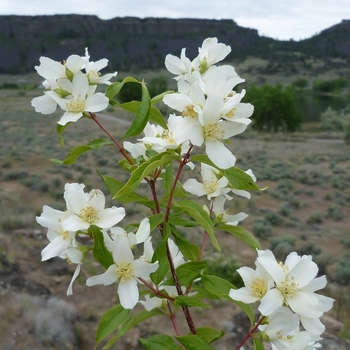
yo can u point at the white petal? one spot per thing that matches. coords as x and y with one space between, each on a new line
107 278
143 231
143 268
194 187
44 104
70 117
110 217
305 304
75 197
243 294
75 223
122 252
55 248
219 154
128 294
96 103
271 301
74 277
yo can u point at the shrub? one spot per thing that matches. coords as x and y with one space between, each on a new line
315 218
309 249
334 212
225 267
342 273
332 120
262 228
282 246
274 108
273 218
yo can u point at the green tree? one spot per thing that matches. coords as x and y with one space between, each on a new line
274 108
300 84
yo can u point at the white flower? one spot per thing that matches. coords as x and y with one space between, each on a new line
140 236
125 272
256 284
179 66
87 209
73 256
221 214
212 52
93 71
44 104
80 100
283 332
60 238
212 185
291 280
50 69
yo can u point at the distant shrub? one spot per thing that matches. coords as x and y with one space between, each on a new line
15 175
315 218
262 228
225 267
334 211
285 209
282 246
273 218
334 85
309 249
332 120
342 273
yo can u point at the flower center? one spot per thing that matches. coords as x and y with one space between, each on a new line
168 136
64 234
189 112
124 271
259 287
93 74
211 185
231 113
289 288
213 132
76 105
89 214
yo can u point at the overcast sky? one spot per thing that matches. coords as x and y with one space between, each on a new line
279 19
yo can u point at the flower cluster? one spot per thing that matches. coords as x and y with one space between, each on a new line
211 111
83 211
217 189
72 86
286 292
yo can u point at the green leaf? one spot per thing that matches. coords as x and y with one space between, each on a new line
220 287
100 252
168 178
258 345
189 250
142 115
160 342
243 234
160 255
155 220
238 179
131 322
209 334
144 169
110 321
154 115
200 215
113 186
188 272
194 342
177 220
114 88
159 98
190 302
76 152
60 129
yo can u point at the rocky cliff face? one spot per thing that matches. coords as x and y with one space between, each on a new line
133 43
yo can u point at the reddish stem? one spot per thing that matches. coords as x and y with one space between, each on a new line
250 332
119 146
